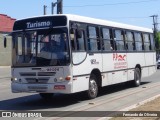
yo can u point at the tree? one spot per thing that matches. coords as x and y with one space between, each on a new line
157 41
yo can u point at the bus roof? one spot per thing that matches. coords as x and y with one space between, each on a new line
106 23
90 20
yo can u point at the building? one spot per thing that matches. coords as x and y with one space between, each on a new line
6 26
6 23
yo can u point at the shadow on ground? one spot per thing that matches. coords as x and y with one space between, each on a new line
34 102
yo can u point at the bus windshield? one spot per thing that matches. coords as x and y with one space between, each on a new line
46 47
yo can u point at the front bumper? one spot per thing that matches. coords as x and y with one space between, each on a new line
41 88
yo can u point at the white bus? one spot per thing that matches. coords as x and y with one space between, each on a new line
69 53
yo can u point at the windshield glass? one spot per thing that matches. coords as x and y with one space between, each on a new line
41 48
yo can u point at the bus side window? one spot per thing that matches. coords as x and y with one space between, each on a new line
106 39
77 40
119 39
92 39
130 41
138 41
112 40
152 44
146 42
72 37
80 40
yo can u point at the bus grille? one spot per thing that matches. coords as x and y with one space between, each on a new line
39 80
28 73
38 74
46 73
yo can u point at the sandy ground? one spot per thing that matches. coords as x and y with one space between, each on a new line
153 105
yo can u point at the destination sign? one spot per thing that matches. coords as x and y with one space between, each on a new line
40 22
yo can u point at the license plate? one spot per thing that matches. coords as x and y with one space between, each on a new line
59 87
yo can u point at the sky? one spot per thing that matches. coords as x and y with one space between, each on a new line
134 12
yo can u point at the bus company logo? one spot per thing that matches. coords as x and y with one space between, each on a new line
94 61
38 24
120 61
119 57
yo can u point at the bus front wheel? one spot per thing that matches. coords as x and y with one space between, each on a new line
93 87
46 96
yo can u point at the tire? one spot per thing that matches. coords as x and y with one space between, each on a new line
137 77
93 87
46 96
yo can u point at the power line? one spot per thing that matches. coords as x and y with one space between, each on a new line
123 3
128 17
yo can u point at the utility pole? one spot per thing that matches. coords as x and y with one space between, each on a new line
44 9
52 7
155 24
59 4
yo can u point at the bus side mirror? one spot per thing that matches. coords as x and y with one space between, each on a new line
5 42
79 33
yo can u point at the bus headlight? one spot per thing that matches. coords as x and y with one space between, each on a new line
13 79
60 79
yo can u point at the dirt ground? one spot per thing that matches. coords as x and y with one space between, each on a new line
153 105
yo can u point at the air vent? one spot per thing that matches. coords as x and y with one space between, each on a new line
46 73
28 74
39 80
36 68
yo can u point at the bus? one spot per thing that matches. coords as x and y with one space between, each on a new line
69 53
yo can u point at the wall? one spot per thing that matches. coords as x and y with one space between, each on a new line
6 27
5 53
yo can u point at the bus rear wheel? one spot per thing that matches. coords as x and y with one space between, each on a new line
137 77
93 87
46 96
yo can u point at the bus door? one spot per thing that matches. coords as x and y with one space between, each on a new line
79 56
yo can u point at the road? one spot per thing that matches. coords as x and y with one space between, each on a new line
111 98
